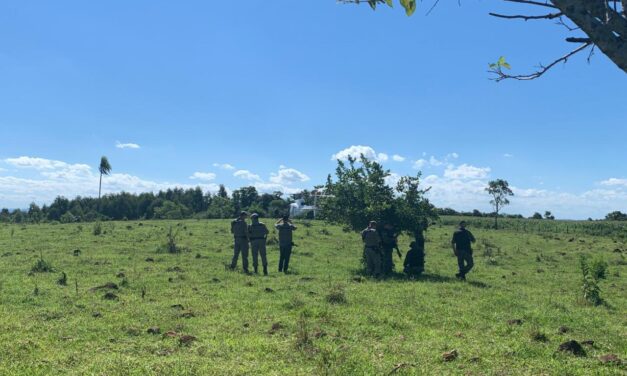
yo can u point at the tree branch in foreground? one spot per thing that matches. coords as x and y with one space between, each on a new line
497 68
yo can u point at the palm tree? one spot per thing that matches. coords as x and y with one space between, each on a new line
105 169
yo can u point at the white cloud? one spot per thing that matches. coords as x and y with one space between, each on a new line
398 158
452 156
128 145
224 166
508 155
419 164
356 151
56 178
433 161
38 163
393 179
287 176
206 176
466 172
614 182
246 175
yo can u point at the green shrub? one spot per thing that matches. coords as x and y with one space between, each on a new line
97 230
42 266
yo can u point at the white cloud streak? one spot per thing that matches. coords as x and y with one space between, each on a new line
205 176
128 145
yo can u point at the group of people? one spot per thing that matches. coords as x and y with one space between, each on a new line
256 234
379 247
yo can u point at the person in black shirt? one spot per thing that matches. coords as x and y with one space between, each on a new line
462 246
415 259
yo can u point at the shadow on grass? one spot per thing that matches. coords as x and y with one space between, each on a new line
427 278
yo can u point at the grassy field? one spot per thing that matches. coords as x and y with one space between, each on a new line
323 318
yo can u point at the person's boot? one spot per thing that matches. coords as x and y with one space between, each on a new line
265 270
246 271
256 272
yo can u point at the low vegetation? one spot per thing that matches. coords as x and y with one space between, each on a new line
120 306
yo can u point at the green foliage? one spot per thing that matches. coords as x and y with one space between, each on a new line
409 5
598 268
42 266
360 194
416 321
616 216
171 243
171 210
62 281
499 190
591 289
97 229
500 64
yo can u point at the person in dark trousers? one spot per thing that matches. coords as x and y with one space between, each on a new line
239 229
286 242
415 259
462 247
258 234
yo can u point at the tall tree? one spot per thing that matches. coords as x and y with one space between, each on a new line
599 24
499 190
105 169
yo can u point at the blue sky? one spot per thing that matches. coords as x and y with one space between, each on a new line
276 88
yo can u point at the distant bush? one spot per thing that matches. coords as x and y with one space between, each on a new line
97 230
598 268
591 289
42 266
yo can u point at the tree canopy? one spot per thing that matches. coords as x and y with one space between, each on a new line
596 24
361 193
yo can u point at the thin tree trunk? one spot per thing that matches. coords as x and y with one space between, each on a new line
100 187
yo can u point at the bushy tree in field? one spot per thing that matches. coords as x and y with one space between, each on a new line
549 216
360 194
499 190
244 198
536 215
220 208
171 210
34 213
616 216
278 208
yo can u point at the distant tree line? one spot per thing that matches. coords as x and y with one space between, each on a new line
176 203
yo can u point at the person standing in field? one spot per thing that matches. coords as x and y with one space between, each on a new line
239 229
462 247
286 242
258 234
372 249
388 244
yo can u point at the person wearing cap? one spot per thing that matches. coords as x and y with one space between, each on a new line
462 247
286 242
372 249
239 229
258 234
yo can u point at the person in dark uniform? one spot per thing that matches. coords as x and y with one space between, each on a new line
372 249
239 229
388 244
462 247
286 242
415 259
258 234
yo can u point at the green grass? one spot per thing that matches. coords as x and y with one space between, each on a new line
321 319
